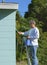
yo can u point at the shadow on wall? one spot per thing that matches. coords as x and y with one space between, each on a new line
3 11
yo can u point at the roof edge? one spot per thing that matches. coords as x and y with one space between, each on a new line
8 5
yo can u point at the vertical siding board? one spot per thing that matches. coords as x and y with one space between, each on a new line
7 37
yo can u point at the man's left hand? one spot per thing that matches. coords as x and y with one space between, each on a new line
28 37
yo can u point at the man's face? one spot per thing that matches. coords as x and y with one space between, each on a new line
32 25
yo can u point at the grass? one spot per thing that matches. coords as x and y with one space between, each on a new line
21 63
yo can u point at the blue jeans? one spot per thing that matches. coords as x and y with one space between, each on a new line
31 53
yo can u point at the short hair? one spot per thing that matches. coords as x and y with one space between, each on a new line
32 22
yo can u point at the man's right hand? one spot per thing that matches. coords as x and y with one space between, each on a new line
20 33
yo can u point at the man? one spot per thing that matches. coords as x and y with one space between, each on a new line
32 35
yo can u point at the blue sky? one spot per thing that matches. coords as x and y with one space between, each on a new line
23 5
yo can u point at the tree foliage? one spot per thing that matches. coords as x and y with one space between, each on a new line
37 10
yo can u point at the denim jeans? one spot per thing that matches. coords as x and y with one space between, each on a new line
31 53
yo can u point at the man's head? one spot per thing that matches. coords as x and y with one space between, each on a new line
32 23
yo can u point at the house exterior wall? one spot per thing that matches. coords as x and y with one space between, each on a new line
7 37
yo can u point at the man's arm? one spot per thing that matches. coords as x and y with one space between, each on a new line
24 33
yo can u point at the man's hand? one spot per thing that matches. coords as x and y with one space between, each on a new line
20 33
28 37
